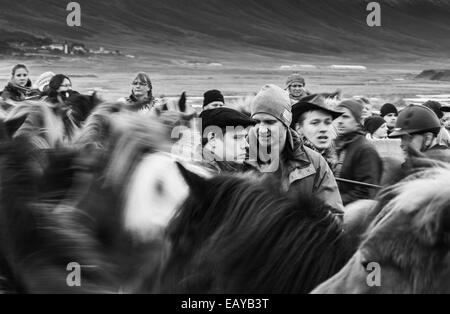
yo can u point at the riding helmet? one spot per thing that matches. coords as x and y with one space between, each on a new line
415 119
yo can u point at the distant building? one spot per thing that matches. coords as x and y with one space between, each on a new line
59 47
78 49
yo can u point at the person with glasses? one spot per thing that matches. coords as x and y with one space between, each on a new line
141 97
295 85
19 88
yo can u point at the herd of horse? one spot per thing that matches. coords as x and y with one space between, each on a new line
104 190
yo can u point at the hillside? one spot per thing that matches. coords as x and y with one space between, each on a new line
168 29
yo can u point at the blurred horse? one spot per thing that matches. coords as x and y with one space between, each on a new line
409 239
237 234
104 206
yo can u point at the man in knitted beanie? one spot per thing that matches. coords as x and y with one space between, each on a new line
295 85
389 113
358 159
277 149
213 99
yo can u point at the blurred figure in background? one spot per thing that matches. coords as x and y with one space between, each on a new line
59 90
43 81
446 117
295 85
313 120
443 138
367 108
141 97
376 128
19 88
213 99
358 159
389 113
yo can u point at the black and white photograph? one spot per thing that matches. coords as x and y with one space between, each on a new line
224 152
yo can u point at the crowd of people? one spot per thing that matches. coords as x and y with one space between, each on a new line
300 137
275 196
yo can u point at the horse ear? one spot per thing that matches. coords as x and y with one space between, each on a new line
182 102
95 99
196 183
12 125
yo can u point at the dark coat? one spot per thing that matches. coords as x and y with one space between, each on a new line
16 93
360 162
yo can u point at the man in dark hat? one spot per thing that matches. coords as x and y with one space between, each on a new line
389 113
213 99
358 160
224 138
313 120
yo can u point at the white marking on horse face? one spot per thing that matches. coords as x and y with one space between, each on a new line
156 190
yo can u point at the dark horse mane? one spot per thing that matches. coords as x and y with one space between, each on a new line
39 234
238 234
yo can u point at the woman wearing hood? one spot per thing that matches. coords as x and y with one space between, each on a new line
19 88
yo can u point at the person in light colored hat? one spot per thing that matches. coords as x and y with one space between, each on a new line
43 81
358 160
295 85
277 149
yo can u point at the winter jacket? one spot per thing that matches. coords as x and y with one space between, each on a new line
18 93
305 171
358 160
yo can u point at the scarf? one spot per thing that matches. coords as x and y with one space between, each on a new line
22 92
329 154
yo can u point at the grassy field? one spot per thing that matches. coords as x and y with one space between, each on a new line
112 76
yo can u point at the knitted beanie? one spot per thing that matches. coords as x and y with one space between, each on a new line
354 106
372 124
387 109
294 78
211 96
275 101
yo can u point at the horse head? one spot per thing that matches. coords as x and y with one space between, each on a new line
406 247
